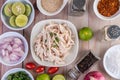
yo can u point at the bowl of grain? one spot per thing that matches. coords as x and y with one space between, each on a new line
106 9
51 7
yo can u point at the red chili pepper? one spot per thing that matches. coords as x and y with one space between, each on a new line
53 70
30 65
40 69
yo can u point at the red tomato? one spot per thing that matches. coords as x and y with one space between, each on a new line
40 69
53 70
30 65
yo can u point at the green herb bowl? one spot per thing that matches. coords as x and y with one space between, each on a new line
14 70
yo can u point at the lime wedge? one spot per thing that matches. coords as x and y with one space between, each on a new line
18 8
21 20
58 77
8 9
12 21
27 10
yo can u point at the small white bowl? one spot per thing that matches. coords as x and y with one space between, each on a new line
110 69
11 71
6 21
73 52
15 34
101 16
48 13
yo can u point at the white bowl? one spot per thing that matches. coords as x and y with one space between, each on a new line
15 34
14 71
6 21
48 13
73 52
101 16
110 69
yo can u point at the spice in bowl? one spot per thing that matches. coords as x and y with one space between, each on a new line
51 5
108 7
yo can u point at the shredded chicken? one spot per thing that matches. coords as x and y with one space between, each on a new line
53 43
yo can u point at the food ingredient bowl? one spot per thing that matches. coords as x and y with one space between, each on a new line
42 10
111 61
72 52
6 20
13 57
14 70
101 16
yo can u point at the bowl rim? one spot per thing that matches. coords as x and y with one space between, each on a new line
43 22
104 61
43 11
24 41
16 70
29 22
114 16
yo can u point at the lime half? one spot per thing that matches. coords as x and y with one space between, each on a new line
12 21
18 8
27 10
58 77
21 20
8 9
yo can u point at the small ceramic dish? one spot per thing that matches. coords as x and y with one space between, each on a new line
5 19
117 14
110 64
42 10
14 70
25 45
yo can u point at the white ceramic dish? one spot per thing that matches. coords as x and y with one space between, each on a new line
14 71
15 34
73 52
117 14
47 13
6 21
111 70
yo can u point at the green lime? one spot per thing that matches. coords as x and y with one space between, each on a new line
21 20
58 77
8 9
27 10
85 33
18 8
12 21
43 77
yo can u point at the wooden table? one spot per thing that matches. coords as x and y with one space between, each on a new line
88 19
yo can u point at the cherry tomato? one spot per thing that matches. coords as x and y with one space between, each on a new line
40 69
53 70
30 65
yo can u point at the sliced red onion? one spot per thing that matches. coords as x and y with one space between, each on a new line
17 41
14 57
6 59
12 49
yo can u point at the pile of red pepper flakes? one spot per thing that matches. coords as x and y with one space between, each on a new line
108 7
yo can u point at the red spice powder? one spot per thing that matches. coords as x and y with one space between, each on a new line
108 7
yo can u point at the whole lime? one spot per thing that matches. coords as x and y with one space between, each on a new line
43 77
85 33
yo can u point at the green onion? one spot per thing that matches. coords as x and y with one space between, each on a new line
51 34
45 40
55 46
57 39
